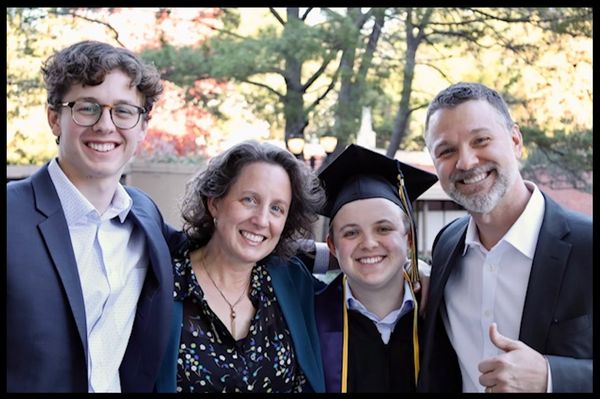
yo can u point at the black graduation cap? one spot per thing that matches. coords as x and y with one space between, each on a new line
359 173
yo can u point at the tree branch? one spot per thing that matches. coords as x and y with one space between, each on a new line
438 70
319 71
505 19
360 21
367 57
308 10
97 21
277 16
264 86
461 34
334 79
411 110
563 168
216 29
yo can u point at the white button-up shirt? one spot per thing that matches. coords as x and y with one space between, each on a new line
112 262
487 286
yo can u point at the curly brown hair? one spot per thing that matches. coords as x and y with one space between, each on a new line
221 174
88 62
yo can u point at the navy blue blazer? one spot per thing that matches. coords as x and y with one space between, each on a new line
45 316
557 316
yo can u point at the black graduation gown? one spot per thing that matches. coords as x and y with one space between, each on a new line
373 365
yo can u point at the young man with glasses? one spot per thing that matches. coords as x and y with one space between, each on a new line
89 280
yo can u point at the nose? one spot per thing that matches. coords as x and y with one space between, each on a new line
105 123
261 216
467 159
369 241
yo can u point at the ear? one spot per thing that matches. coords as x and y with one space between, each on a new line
143 129
53 120
331 245
213 207
517 141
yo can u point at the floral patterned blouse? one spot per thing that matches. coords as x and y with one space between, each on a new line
211 360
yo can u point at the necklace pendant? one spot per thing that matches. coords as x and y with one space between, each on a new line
233 324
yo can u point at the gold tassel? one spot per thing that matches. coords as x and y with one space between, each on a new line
414 269
344 339
412 276
415 330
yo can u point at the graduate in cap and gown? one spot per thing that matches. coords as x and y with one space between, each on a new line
367 317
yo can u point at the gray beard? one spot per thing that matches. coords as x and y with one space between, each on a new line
485 202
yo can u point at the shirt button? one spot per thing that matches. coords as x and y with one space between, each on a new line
492 268
487 314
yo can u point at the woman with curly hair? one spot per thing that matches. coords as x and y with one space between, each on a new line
244 306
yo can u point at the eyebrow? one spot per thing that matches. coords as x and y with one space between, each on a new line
347 225
95 100
479 130
356 225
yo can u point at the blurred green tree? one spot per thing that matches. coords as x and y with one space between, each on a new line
310 71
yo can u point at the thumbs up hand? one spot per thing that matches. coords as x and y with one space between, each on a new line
518 369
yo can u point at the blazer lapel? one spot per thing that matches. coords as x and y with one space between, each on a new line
55 233
286 293
549 264
149 226
144 332
447 250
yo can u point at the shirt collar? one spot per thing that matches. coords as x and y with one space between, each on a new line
523 234
354 304
471 238
120 205
76 206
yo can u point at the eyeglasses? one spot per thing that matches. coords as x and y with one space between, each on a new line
86 113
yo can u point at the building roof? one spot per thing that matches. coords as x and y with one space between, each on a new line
571 198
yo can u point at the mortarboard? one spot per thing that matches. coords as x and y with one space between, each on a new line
359 173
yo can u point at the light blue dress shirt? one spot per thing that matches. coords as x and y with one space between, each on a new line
112 262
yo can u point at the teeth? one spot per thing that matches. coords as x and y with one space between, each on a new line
104 147
475 179
253 237
371 260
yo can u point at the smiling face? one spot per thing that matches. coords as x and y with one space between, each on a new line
252 215
101 151
370 242
475 154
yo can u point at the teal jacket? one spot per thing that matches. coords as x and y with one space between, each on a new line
294 288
